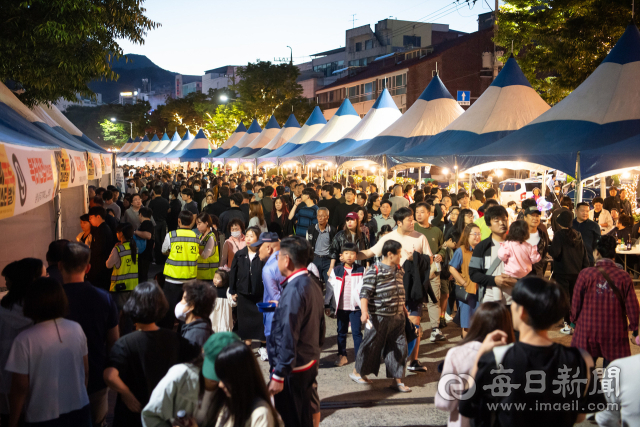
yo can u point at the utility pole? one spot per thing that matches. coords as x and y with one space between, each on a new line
291 54
495 31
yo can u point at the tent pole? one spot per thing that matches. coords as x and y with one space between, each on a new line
384 172
603 186
544 183
419 177
455 166
578 193
57 208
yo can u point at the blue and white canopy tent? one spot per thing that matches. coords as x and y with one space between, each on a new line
128 146
434 110
173 143
603 110
252 133
270 130
235 137
343 121
162 144
135 143
186 140
140 149
506 106
197 149
382 114
311 127
151 147
290 128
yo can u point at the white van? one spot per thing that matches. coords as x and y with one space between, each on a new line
517 190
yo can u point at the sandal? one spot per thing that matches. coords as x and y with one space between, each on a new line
400 388
359 380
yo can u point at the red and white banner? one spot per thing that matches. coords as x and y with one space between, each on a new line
94 166
72 168
28 179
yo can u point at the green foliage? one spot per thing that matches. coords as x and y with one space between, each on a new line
266 89
559 43
114 133
221 125
53 48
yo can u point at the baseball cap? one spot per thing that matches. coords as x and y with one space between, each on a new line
212 348
532 210
352 215
266 237
287 189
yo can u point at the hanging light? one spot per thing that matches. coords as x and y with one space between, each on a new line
445 171
499 172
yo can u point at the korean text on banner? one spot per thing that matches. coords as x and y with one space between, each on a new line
72 168
28 179
107 163
94 166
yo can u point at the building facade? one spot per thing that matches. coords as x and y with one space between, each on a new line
81 101
463 63
219 78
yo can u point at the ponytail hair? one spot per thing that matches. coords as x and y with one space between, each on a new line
127 231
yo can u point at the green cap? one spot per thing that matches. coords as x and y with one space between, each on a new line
212 348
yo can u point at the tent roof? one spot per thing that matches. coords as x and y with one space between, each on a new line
290 128
252 133
434 110
312 126
602 110
231 141
197 149
507 105
381 115
338 126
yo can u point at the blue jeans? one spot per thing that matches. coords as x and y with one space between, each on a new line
344 317
323 267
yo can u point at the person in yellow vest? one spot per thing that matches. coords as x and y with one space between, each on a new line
183 249
209 259
124 277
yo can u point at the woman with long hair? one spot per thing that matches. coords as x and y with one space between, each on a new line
368 227
351 233
256 217
489 317
246 400
450 221
459 269
280 217
465 217
18 275
209 259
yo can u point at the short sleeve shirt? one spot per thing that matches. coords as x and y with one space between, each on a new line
412 241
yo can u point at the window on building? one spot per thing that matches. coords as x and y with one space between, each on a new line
368 44
411 41
358 47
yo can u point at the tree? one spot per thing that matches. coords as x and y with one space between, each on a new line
223 123
53 48
559 43
114 133
266 89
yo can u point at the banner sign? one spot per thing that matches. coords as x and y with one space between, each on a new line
107 163
72 168
94 166
28 179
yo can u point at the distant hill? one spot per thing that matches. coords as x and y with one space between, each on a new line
131 74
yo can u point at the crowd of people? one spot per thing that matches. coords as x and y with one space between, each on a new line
162 295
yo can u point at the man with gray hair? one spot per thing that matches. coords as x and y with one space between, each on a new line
397 200
320 237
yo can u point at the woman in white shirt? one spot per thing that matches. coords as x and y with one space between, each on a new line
256 217
489 317
49 363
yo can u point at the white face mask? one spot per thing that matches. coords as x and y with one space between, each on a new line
197 188
236 234
181 311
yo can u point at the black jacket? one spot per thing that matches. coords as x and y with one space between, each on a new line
417 286
340 214
197 332
172 217
245 277
543 248
312 236
612 202
340 239
568 252
267 207
223 204
226 218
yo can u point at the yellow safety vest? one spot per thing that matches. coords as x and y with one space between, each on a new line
182 263
127 273
207 267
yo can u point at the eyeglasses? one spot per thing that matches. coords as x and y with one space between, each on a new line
475 234
278 255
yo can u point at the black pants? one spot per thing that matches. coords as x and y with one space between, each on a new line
160 234
173 292
293 403
143 270
77 418
567 282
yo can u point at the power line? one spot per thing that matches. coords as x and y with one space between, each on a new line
402 29
440 13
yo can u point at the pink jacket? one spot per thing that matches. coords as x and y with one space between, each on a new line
518 257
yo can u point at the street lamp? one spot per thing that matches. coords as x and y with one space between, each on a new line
225 98
113 119
291 54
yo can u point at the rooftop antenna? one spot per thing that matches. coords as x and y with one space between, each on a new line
353 20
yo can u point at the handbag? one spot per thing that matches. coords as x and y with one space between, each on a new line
461 293
141 244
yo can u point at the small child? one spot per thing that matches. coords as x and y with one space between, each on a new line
512 209
518 255
221 317
343 300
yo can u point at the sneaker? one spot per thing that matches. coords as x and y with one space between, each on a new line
436 335
342 360
443 323
416 366
567 330
262 352
448 318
